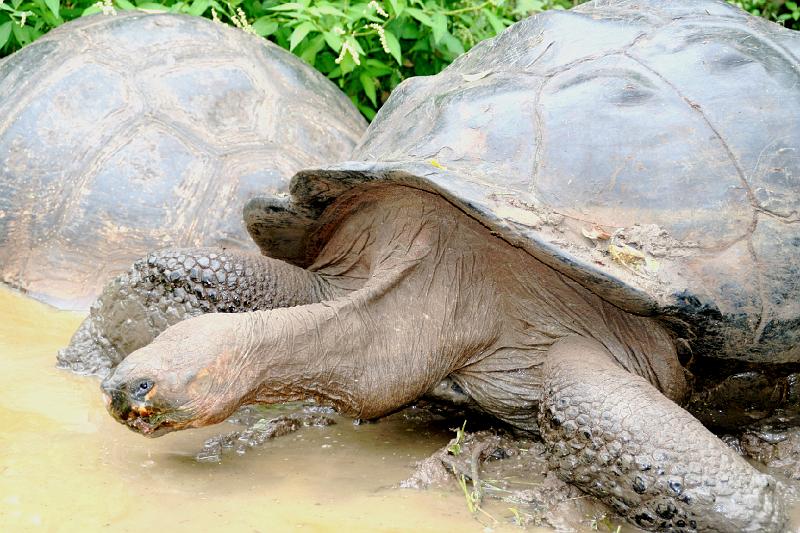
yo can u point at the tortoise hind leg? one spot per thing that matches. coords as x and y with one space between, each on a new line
615 436
168 286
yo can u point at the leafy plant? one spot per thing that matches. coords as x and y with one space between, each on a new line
784 11
366 46
454 447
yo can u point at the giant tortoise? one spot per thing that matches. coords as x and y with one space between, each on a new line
562 222
121 134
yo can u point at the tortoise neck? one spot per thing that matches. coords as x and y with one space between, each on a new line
425 292
416 303
306 355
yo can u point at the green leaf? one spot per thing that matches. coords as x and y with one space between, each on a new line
394 46
347 65
422 45
300 33
336 72
367 111
453 45
198 7
333 40
21 34
91 10
792 6
407 30
325 61
125 5
355 44
420 16
377 68
264 26
368 83
54 7
309 54
439 27
328 10
5 33
36 32
398 6
356 12
526 7
497 24
152 6
289 6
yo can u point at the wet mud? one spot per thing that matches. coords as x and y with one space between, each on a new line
65 465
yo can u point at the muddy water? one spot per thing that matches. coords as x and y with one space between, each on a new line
65 465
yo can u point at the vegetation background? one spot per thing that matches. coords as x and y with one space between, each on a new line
367 47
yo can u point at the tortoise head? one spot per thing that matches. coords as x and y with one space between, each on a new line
189 376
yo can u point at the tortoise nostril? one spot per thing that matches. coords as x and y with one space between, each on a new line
116 402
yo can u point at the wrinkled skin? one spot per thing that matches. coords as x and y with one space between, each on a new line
412 291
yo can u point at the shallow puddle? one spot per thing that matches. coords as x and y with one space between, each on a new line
65 465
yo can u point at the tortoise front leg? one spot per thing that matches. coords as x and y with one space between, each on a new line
615 436
168 286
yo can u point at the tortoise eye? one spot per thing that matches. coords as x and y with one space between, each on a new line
141 388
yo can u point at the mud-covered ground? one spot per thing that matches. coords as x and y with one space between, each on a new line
66 465
497 472
501 479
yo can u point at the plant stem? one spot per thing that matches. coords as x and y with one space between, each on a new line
466 9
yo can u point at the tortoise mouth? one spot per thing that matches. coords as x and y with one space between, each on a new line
141 417
147 423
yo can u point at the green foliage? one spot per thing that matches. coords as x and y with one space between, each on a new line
454 448
786 12
367 47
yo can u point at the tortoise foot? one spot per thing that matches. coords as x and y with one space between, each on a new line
615 436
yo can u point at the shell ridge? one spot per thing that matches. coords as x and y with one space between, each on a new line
184 135
698 109
791 60
71 196
764 306
539 127
30 79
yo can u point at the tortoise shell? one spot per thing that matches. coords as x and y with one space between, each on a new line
121 134
647 149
